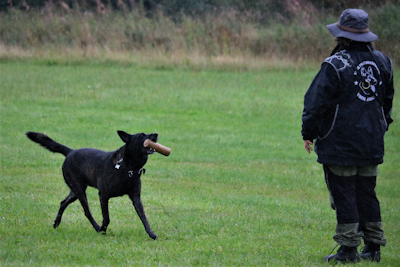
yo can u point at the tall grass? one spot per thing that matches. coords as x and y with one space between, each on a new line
228 33
237 189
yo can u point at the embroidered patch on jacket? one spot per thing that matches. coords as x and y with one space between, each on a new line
340 60
366 75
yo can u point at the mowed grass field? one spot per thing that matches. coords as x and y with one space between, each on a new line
237 190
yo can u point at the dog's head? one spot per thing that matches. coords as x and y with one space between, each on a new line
134 149
135 142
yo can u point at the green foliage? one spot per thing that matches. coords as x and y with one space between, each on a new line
237 189
340 5
174 8
384 21
299 33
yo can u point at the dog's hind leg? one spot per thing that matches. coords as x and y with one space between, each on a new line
64 204
137 203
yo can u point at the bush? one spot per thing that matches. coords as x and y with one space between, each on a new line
386 22
223 32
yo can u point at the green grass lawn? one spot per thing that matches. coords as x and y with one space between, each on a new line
237 189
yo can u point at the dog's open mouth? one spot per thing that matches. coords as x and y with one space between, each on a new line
153 137
151 145
150 151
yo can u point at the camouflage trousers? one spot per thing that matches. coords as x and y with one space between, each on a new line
352 195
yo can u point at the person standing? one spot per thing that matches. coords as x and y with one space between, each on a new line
347 110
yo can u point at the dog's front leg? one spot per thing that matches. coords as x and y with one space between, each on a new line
104 210
137 203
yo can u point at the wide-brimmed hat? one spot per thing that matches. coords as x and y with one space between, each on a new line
353 25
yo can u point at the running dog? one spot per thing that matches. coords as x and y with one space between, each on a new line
114 174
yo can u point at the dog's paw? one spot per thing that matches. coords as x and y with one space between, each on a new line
102 230
56 224
153 236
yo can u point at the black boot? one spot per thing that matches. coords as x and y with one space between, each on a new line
344 254
371 252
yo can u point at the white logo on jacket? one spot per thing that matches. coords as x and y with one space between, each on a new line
367 71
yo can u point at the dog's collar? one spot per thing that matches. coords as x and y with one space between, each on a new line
139 172
119 162
130 173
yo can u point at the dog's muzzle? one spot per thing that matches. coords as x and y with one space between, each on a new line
153 137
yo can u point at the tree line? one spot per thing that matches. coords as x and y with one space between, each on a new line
262 9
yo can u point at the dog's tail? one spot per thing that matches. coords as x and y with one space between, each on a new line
48 143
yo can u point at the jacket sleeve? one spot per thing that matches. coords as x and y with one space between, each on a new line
386 65
388 101
319 100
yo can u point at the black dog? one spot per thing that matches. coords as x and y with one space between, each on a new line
113 173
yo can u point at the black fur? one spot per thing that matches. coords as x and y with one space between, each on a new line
91 167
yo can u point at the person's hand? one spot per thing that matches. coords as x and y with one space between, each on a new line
307 145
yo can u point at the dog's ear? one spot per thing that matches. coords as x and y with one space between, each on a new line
124 136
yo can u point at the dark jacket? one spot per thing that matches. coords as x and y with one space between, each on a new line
348 105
